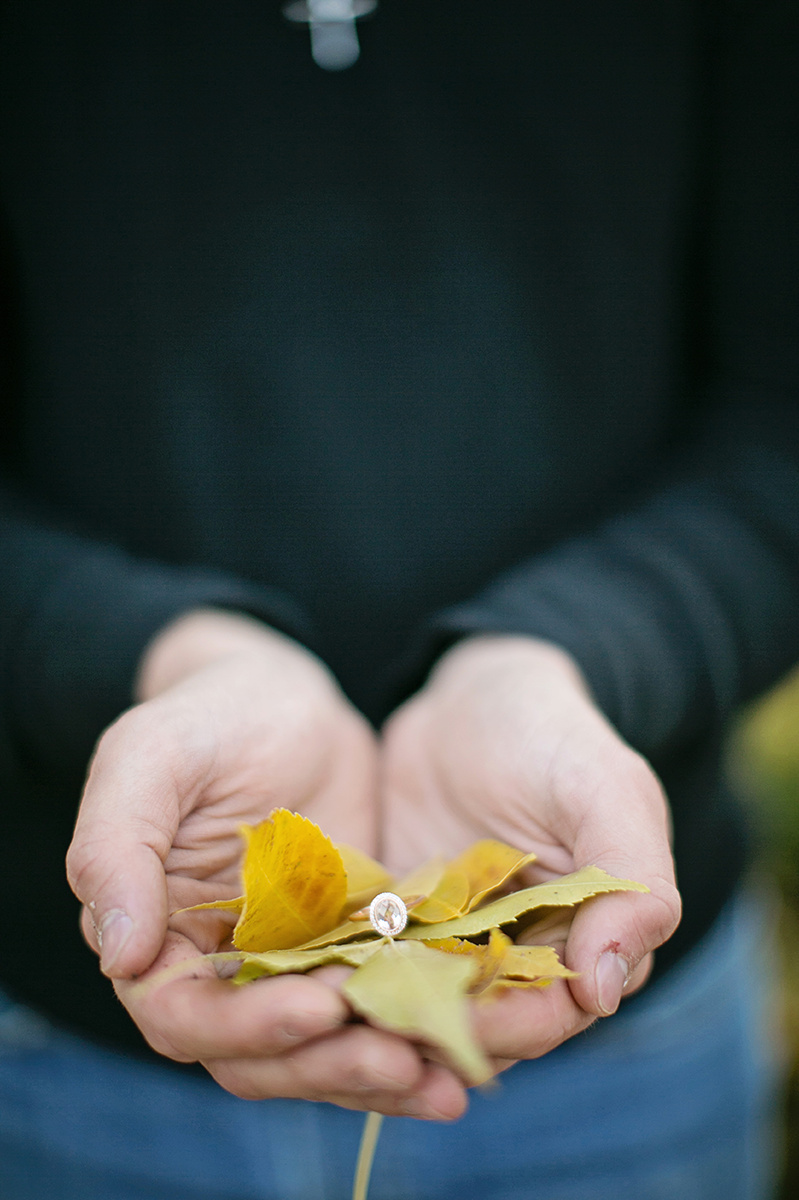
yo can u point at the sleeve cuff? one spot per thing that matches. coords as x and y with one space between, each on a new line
82 642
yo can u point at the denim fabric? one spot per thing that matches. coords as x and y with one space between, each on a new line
672 1099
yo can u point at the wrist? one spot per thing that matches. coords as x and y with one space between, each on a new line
194 641
514 651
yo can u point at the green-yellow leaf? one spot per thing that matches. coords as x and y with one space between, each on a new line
233 906
294 883
282 962
410 989
564 892
346 932
366 1153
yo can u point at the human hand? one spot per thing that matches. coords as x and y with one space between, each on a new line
505 741
234 720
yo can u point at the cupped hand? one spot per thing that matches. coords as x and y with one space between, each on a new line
505 741
234 719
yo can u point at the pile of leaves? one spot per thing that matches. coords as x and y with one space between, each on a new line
304 906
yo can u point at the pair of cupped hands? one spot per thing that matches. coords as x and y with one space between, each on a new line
235 719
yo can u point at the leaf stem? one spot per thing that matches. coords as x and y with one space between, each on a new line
366 1153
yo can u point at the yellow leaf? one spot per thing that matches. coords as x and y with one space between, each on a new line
564 892
448 899
500 961
434 892
233 906
487 958
294 883
410 989
422 880
529 963
488 864
438 891
365 878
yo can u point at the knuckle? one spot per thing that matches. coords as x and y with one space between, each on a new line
156 731
639 774
670 903
87 867
163 1025
653 922
555 1037
114 740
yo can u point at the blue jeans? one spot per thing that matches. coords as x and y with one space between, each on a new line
673 1099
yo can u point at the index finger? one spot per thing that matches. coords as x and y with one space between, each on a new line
528 1022
197 1015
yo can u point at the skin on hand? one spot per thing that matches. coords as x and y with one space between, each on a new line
505 741
234 719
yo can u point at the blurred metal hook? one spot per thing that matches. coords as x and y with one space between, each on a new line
334 37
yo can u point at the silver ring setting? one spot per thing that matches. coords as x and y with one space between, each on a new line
388 914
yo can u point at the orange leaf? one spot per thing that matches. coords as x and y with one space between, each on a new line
488 864
533 963
500 963
423 879
365 878
448 899
434 892
295 883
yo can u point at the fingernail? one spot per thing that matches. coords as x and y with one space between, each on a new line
113 932
611 976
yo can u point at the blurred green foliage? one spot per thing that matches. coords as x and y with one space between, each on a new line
764 767
764 770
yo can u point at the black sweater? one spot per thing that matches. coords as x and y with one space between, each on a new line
494 331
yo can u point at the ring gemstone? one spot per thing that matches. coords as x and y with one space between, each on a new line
388 914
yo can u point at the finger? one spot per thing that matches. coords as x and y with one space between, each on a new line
359 1068
127 819
440 1096
524 1023
357 1060
626 832
197 1016
639 976
89 930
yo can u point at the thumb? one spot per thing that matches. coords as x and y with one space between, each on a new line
115 863
626 833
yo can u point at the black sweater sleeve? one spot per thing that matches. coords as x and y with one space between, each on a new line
684 607
679 611
75 617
